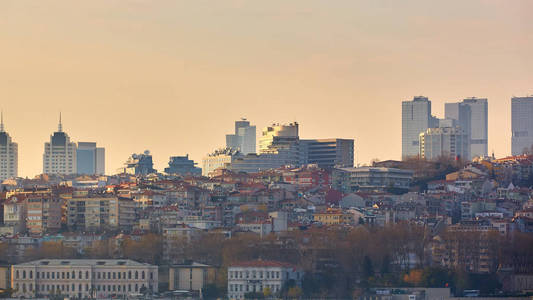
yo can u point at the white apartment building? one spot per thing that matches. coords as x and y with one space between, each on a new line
256 276
83 278
8 154
450 142
59 154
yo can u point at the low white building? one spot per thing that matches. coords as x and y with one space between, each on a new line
83 278
259 275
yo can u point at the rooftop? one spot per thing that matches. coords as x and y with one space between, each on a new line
83 262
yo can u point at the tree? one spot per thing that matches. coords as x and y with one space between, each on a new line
294 292
414 277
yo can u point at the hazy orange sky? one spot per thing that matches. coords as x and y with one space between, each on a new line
172 76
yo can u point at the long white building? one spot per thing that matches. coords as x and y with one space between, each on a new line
450 142
8 154
59 154
258 276
83 278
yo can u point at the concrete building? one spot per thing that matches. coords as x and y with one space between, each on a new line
190 277
280 136
259 276
451 142
244 138
220 158
8 154
90 160
253 163
83 278
182 165
328 153
139 164
349 180
416 118
43 213
472 117
98 212
59 154
522 124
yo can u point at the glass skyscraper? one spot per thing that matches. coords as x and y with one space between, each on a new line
522 124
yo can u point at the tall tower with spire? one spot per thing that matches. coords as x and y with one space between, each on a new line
59 154
8 153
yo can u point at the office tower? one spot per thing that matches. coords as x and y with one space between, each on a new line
522 124
59 154
416 118
8 154
90 160
100 161
244 137
328 153
139 164
182 165
439 142
278 136
472 117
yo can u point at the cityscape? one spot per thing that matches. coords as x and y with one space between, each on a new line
295 165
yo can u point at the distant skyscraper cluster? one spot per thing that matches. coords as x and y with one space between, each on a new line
463 133
279 145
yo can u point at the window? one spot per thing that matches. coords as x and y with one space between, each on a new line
143 275
151 275
86 274
129 276
80 275
24 277
17 275
136 277
73 275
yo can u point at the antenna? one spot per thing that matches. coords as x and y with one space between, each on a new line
60 126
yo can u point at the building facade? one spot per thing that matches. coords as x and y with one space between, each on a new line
190 277
350 180
328 153
479 126
90 160
522 124
83 278
43 213
8 154
260 276
244 138
59 154
139 164
416 118
449 142
182 165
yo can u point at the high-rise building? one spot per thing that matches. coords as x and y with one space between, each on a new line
472 117
182 165
90 160
522 124
444 142
278 136
139 164
416 118
8 154
244 137
59 154
328 153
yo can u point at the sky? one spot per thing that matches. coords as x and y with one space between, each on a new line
173 76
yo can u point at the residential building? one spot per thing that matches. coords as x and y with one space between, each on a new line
522 124
334 216
93 212
182 165
90 160
416 118
83 278
15 213
190 276
244 138
43 213
139 164
349 180
8 154
59 154
328 153
260 276
450 142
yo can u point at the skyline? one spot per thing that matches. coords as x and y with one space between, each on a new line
138 75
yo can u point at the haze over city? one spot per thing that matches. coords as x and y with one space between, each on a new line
172 76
